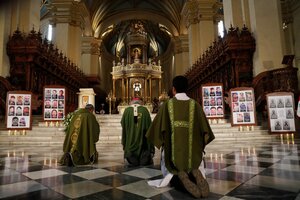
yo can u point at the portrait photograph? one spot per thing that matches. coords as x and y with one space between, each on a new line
20 100
26 111
11 111
249 96
26 100
47 114
12 100
19 111
242 96
213 111
220 111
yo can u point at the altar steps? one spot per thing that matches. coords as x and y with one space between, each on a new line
227 137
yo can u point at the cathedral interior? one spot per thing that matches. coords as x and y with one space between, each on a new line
133 49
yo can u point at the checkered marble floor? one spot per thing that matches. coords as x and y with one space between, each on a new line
268 171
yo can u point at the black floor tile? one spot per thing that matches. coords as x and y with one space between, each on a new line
117 180
113 194
60 180
255 192
46 194
230 176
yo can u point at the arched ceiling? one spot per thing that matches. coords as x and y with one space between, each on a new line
111 20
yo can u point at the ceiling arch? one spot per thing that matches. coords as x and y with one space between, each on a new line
131 15
162 20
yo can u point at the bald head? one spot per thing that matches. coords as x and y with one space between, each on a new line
89 107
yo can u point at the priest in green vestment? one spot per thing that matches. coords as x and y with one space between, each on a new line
182 130
135 123
81 136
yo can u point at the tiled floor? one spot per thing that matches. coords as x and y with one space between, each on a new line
268 171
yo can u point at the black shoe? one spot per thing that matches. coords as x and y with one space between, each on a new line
68 160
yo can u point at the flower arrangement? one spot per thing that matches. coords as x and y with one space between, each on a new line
67 120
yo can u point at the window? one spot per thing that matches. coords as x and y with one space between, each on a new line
221 28
49 36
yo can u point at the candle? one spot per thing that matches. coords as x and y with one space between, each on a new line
46 124
23 132
8 132
15 132
57 124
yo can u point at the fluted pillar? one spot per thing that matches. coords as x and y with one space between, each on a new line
14 14
90 53
181 57
268 32
67 18
199 19
236 13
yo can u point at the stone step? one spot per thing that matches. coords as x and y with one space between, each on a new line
111 132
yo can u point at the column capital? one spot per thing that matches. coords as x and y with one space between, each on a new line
181 44
195 11
65 11
90 45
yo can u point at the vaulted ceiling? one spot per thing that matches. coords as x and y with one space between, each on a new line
111 20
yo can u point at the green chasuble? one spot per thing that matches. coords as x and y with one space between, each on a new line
81 137
133 133
182 129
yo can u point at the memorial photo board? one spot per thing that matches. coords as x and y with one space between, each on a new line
18 110
54 103
242 103
281 112
212 100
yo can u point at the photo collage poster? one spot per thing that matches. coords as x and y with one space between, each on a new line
212 101
281 112
242 106
54 103
18 110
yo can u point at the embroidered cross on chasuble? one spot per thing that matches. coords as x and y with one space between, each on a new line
185 125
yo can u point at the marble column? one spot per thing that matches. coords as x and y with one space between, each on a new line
199 19
236 13
268 32
67 18
14 14
90 52
181 57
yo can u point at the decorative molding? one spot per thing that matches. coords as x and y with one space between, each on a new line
181 44
90 45
195 11
67 11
